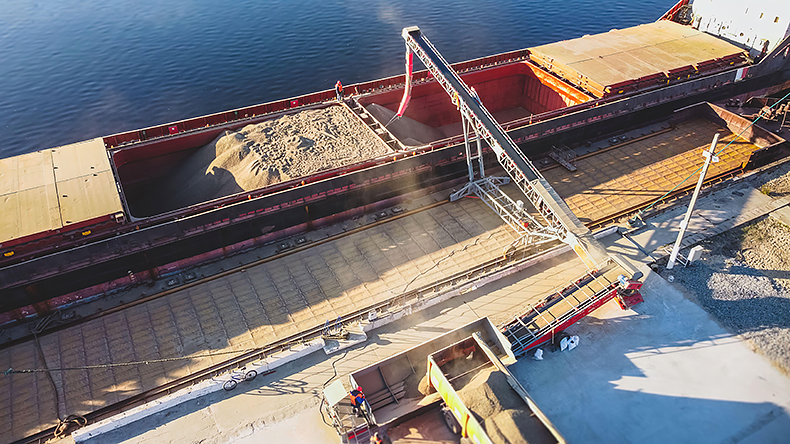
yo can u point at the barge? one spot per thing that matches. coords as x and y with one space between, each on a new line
71 219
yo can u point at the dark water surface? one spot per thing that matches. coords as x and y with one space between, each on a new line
71 70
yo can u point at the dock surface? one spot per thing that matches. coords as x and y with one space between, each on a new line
243 310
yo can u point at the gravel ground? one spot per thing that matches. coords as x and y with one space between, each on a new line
743 280
775 183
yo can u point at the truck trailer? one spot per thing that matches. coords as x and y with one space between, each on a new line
456 388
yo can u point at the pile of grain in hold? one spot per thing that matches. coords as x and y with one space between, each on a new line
501 411
289 147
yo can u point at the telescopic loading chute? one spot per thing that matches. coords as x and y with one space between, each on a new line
404 102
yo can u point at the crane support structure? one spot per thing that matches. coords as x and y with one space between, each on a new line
562 223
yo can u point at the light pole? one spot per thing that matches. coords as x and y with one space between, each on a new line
709 157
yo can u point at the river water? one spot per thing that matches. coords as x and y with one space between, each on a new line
71 70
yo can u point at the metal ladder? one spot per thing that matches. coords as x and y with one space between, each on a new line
356 430
373 124
680 258
361 436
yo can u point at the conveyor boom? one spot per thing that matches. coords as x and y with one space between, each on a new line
521 171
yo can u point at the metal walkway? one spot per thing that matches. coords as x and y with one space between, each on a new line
579 297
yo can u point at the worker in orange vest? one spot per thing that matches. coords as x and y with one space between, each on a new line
358 401
339 91
380 438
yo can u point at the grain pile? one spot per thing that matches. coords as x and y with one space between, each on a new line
289 147
504 415
417 385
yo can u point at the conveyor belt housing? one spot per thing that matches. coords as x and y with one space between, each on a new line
535 187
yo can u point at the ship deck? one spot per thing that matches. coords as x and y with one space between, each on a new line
653 164
47 190
595 62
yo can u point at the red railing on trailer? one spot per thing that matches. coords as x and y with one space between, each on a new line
544 320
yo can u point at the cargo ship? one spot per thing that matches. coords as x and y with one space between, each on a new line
77 220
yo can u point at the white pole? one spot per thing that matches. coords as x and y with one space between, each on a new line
709 157
467 123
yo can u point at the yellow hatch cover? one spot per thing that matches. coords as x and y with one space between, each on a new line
597 61
53 188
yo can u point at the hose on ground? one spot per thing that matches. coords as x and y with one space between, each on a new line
62 428
323 399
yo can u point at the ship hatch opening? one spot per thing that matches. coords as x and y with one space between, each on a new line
512 93
209 167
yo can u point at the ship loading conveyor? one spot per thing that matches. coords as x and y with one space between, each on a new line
262 287
544 321
562 223
537 105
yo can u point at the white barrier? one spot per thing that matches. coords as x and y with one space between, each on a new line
187 394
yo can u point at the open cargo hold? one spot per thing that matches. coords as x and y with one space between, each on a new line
512 92
288 147
652 160
636 58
